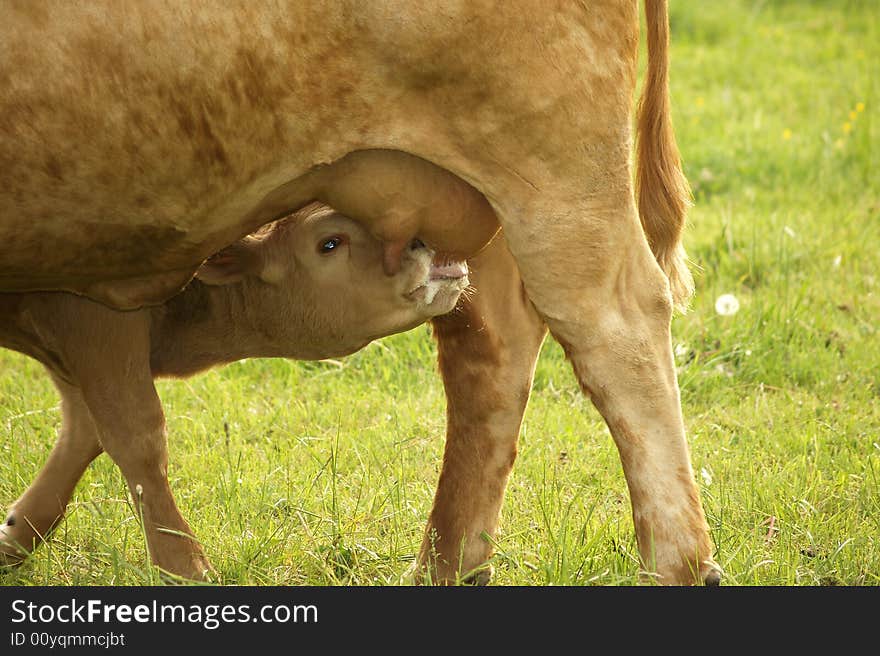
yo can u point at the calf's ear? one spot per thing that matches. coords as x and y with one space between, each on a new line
233 263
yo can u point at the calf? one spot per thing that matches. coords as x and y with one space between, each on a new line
308 286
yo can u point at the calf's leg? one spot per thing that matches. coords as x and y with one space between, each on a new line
487 349
34 515
131 425
107 354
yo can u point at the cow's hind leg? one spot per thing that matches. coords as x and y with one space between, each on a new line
590 273
41 507
487 349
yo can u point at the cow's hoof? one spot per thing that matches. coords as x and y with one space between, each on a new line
712 575
480 576
412 575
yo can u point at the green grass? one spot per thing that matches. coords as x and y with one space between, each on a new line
322 473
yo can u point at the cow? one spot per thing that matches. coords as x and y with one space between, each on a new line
309 286
137 139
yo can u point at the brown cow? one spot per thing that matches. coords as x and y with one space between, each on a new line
138 138
309 286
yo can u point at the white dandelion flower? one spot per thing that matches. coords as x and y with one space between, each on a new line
727 305
707 477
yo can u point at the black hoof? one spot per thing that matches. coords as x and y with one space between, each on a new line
713 579
479 577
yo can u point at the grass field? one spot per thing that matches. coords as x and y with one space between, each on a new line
323 473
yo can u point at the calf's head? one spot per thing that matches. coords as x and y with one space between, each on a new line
312 285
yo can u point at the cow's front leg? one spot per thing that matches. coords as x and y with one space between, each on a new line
487 349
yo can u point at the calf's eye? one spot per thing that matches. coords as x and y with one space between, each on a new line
329 245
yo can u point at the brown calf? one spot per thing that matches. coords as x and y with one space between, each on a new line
309 286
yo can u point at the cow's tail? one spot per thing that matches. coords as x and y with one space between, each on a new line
663 192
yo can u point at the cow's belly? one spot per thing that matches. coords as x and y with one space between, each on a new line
137 140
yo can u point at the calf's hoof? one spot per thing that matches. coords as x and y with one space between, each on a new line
423 574
203 573
196 569
12 552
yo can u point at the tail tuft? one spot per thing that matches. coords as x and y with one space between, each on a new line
664 194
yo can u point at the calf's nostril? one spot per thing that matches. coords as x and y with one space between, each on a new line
417 243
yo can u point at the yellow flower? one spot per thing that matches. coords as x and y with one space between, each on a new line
786 134
700 101
860 107
847 128
852 116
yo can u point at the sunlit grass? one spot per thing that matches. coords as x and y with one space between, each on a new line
323 473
